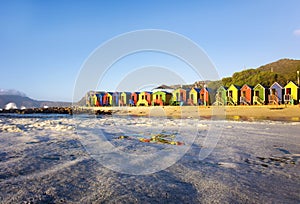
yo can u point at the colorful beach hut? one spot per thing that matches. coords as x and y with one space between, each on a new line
145 99
246 95
116 98
124 98
107 99
276 93
204 98
89 99
161 98
260 95
194 96
233 95
180 96
291 93
134 98
99 100
221 96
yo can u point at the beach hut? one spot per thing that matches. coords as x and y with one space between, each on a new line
233 95
99 99
92 99
246 95
204 98
260 94
134 98
221 96
145 99
88 99
161 98
276 93
116 99
194 96
107 99
291 93
180 96
124 98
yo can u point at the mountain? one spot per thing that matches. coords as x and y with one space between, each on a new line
282 71
24 101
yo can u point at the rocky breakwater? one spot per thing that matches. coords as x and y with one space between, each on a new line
50 110
58 110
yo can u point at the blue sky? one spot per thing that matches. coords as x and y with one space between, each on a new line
43 44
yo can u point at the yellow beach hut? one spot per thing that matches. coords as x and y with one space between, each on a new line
194 96
233 95
291 93
145 99
124 98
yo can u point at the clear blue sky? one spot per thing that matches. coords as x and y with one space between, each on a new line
43 44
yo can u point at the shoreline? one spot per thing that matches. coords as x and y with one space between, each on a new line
242 113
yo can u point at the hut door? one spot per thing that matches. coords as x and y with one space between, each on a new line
273 92
177 96
192 97
288 91
230 93
181 96
244 93
256 93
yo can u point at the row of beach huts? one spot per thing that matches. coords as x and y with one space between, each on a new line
232 95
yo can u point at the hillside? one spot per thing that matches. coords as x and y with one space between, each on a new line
282 71
27 102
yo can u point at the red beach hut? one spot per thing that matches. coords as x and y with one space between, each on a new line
246 95
134 98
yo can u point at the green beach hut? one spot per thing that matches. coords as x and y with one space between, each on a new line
291 93
180 96
221 96
260 95
161 98
233 95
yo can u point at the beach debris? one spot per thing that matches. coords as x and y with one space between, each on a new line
160 138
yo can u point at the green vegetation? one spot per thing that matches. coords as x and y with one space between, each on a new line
282 71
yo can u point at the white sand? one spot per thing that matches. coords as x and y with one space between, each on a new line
43 160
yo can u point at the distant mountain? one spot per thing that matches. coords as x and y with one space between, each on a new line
281 71
24 101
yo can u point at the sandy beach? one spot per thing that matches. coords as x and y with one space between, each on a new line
51 159
269 112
